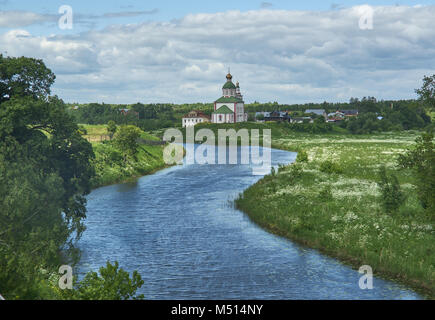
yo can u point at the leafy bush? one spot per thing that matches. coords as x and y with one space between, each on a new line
126 140
392 195
302 156
111 128
82 130
296 171
421 159
112 283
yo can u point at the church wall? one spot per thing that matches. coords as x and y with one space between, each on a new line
240 112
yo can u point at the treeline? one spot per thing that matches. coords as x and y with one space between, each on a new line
145 116
374 116
366 104
403 115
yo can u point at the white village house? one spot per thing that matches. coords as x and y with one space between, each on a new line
194 117
230 108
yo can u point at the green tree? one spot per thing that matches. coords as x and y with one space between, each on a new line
24 77
45 171
421 159
392 195
111 128
427 91
126 140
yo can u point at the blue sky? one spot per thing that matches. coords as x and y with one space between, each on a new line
179 51
166 10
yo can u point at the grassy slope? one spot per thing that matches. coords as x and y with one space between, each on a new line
110 168
351 225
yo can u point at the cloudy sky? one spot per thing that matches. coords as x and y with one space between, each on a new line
180 51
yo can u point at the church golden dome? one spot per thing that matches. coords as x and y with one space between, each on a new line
229 76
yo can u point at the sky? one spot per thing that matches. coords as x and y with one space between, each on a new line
180 51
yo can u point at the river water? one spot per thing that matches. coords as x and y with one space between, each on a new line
179 229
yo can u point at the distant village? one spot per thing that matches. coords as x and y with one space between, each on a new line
230 108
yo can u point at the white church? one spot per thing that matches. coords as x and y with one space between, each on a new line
230 108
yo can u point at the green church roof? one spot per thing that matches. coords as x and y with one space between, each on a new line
229 85
228 100
223 110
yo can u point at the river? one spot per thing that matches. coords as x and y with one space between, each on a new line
179 229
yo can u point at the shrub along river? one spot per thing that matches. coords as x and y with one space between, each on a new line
179 229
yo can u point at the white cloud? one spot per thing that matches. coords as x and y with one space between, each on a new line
288 56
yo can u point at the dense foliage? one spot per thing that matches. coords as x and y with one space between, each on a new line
111 283
401 117
46 170
392 194
145 116
20 77
427 91
421 159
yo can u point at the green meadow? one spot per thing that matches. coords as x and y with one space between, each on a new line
332 202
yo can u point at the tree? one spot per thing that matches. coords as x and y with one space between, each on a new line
111 128
392 195
24 77
427 91
112 283
421 159
126 140
45 172
140 109
260 117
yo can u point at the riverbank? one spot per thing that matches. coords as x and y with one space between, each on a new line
336 209
112 167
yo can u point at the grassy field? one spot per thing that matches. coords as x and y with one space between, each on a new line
337 210
109 162
98 133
